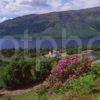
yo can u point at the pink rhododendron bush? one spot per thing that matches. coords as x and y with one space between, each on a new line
69 68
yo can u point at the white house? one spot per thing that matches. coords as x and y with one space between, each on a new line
54 54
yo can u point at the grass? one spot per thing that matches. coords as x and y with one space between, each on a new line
28 96
2 71
33 96
95 95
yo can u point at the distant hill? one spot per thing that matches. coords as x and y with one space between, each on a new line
83 23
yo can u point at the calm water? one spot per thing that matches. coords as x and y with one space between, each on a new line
49 43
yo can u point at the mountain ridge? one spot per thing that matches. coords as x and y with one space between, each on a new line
84 23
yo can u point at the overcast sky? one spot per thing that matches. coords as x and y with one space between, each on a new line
13 8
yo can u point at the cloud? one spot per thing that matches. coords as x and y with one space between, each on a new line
13 8
80 4
3 19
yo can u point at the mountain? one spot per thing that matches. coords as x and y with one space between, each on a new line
84 23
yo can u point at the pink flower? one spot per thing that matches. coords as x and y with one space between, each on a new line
66 82
50 93
72 77
62 71
52 77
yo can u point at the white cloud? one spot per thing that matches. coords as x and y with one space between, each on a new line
22 7
80 4
3 19
55 4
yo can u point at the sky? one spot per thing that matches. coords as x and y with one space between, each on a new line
13 8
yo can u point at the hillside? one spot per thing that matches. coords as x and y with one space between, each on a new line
83 23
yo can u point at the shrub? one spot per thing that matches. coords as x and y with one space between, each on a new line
74 50
69 68
71 51
43 68
17 74
96 69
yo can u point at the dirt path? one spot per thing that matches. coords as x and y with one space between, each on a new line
5 92
98 61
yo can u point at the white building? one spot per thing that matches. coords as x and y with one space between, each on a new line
54 54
